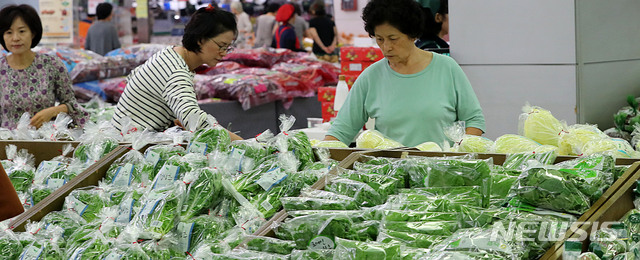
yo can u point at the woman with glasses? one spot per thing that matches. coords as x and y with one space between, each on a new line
411 93
160 92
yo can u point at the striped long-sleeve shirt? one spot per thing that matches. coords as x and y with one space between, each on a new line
159 91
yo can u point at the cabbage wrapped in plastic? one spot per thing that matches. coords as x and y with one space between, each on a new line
464 142
573 140
618 148
429 147
539 125
511 143
373 139
330 144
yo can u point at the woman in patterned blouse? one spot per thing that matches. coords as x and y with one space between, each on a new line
31 82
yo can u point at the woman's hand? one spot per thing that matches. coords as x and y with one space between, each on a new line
46 115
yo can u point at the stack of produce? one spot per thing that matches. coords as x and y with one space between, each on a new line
175 201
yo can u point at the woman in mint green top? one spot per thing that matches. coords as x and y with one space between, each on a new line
411 93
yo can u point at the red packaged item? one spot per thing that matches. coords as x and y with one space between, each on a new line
249 90
113 88
326 94
327 111
261 57
220 68
354 67
350 53
329 70
350 79
312 76
294 86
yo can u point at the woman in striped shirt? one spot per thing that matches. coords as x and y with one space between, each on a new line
161 92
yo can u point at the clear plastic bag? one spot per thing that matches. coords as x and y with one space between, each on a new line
293 85
19 168
260 57
270 245
573 140
204 186
10 247
86 202
539 125
510 143
159 214
249 90
373 139
364 195
463 142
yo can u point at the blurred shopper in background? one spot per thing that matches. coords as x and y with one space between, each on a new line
300 25
323 31
102 36
285 35
411 93
244 26
29 81
436 25
265 25
160 93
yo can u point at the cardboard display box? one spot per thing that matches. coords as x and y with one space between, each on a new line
41 150
55 201
354 67
350 53
326 94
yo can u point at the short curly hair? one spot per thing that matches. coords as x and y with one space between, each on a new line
404 15
28 14
206 23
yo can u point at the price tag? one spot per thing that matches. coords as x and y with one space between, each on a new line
123 176
198 147
271 178
113 256
152 158
31 253
184 236
151 203
47 167
124 211
77 205
266 205
321 242
355 67
167 175
55 183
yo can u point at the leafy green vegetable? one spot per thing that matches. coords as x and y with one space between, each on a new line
443 173
210 139
304 229
302 203
355 250
207 228
312 254
411 216
363 194
160 210
410 239
271 245
41 250
517 161
202 192
437 228
155 157
385 185
86 202
95 149
551 189
21 179
10 247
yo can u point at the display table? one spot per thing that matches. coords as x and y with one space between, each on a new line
256 120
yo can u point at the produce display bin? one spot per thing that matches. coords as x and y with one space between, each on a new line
619 194
55 201
41 150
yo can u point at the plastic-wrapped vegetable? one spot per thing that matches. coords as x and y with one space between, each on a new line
518 161
19 168
160 212
173 169
618 148
429 147
356 250
463 142
360 191
208 139
200 230
410 239
316 231
632 221
312 254
86 202
551 189
500 187
160 250
95 149
331 144
302 203
435 228
293 85
238 254
260 57
539 125
126 251
203 187
249 90
91 249
443 173
156 156
42 249
576 136
606 244
126 170
10 247
481 241
385 185
511 143
270 245
592 183
296 141
375 140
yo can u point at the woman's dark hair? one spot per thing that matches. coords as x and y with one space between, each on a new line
318 9
103 10
28 14
431 27
404 15
273 8
206 23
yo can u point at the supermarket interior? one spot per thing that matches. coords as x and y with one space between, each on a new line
319 129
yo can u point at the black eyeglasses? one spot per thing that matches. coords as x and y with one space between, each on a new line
222 48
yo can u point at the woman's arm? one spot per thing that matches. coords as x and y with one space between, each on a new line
330 138
47 114
317 40
64 92
473 131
